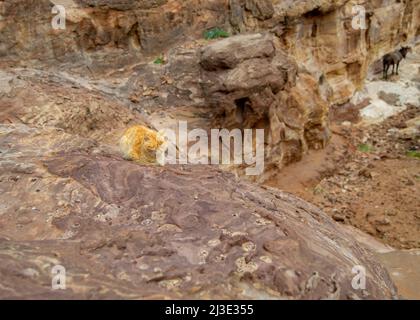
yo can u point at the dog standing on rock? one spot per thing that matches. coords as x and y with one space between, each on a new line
394 59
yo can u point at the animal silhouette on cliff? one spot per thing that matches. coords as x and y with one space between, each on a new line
394 59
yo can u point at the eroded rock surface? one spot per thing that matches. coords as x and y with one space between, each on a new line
251 84
119 40
52 99
319 34
123 230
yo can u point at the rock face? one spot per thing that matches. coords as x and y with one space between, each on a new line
254 85
117 28
319 34
56 99
308 45
123 230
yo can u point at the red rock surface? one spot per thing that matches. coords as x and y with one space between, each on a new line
123 230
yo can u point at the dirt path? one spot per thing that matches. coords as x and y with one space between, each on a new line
369 174
367 177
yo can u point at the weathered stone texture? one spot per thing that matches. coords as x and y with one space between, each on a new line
259 80
253 84
123 230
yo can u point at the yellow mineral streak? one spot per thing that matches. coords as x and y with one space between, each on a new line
140 144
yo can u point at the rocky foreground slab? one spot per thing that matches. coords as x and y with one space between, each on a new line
123 230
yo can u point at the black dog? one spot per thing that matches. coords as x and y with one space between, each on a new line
394 59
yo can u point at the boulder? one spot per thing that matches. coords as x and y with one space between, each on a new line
251 83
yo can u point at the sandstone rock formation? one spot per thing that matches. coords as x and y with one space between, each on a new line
54 99
319 34
123 230
254 85
330 56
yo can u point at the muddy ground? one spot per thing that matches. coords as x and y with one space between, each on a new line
366 178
